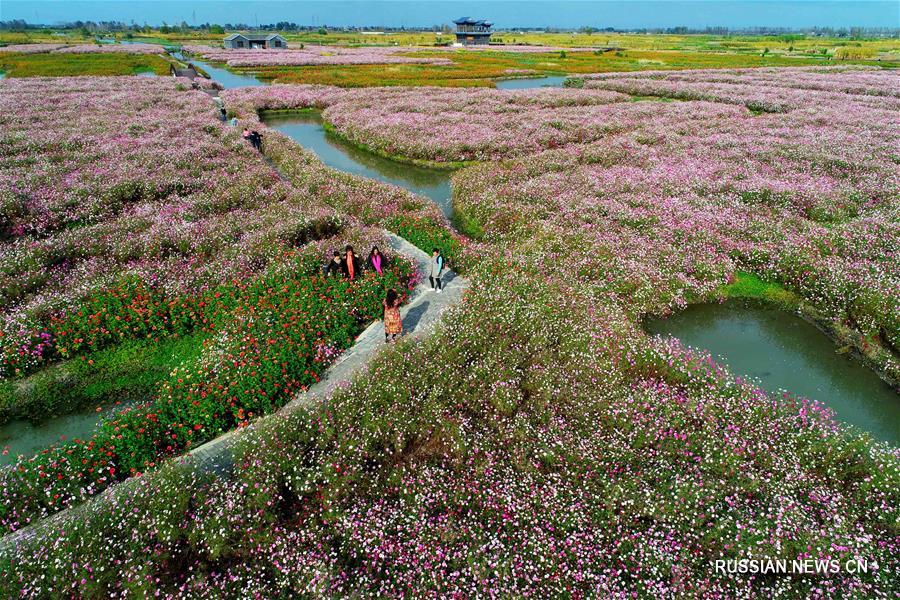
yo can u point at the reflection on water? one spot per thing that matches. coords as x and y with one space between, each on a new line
306 129
535 82
783 352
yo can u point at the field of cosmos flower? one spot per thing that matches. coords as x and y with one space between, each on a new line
538 443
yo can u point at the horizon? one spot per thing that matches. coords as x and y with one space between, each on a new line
570 14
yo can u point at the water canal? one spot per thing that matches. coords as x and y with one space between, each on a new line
782 352
533 82
222 75
228 79
306 129
22 437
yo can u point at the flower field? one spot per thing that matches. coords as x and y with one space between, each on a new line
32 48
483 67
767 91
456 125
85 48
806 198
395 209
539 442
97 250
78 223
312 55
558 454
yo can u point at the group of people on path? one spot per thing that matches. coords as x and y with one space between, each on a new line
349 266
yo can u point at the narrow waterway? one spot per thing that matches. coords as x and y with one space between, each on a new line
782 352
222 75
22 437
533 82
306 129
227 78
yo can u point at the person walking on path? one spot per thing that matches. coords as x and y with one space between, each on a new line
234 121
256 140
350 265
334 267
376 261
393 324
435 269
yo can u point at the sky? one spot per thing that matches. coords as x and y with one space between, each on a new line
506 14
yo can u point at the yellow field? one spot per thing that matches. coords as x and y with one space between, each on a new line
792 44
482 68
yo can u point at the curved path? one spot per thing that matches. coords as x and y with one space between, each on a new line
423 308
419 314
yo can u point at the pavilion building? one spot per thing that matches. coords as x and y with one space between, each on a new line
472 32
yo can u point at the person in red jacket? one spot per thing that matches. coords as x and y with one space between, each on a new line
351 265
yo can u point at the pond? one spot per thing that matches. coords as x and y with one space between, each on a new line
306 129
533 82
781 351
22 437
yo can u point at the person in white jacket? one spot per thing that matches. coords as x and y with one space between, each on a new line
436 268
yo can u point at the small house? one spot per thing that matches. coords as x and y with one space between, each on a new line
472 32
255 41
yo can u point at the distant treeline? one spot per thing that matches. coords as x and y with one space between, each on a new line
118 26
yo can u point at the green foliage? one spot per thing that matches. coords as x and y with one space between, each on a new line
749 286
129 372
425 234
68 65
483 68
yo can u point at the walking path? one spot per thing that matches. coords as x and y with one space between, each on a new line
423 308
421 312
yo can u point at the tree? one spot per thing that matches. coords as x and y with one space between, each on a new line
217 29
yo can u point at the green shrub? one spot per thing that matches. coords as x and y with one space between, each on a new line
127 373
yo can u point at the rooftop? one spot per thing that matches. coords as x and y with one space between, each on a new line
471 21
253 37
